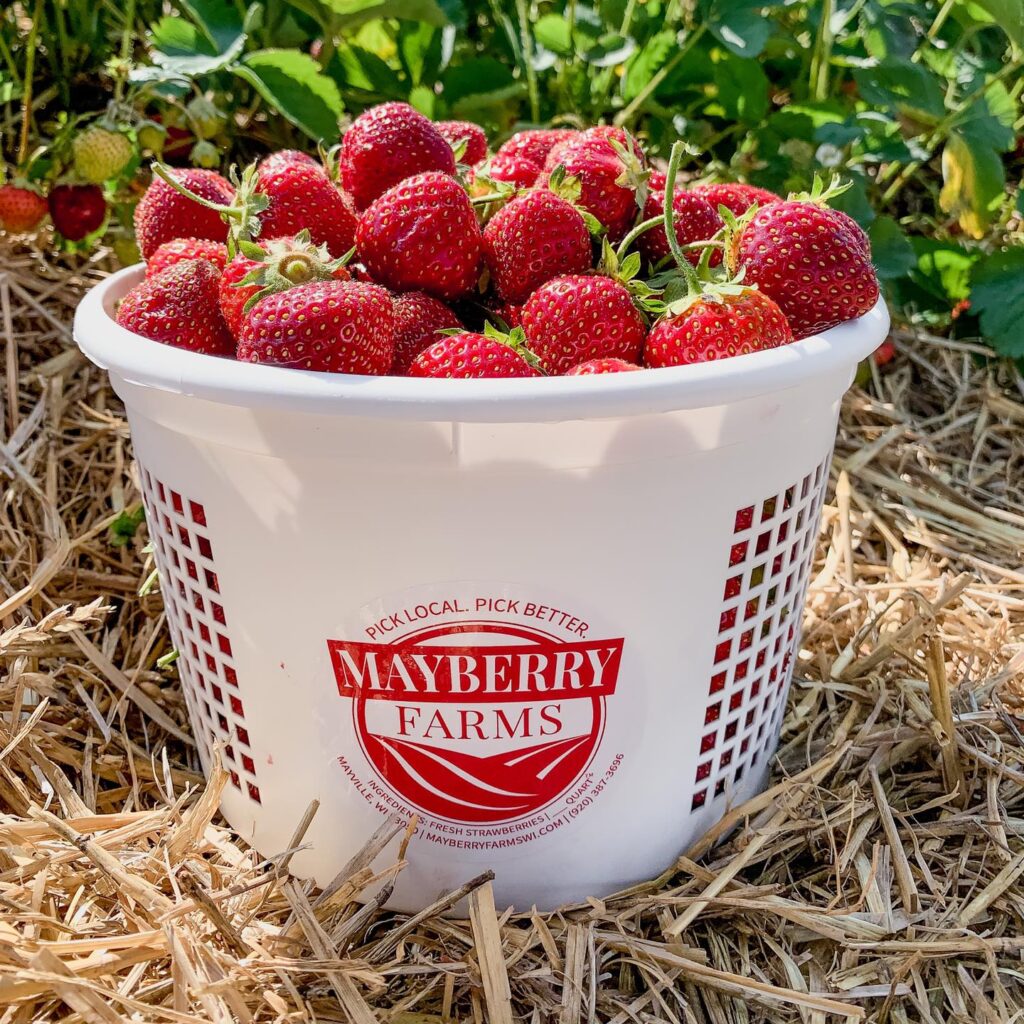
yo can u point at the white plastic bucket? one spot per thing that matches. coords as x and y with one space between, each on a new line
555 618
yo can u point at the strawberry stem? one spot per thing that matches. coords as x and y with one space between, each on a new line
685 266
636 232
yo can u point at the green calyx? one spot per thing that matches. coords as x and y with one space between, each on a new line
569 187
821 193
635 175
625 269
242 215
285 263
515 339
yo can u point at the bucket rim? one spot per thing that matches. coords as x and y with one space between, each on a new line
150 364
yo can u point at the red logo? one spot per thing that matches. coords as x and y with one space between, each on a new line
478 723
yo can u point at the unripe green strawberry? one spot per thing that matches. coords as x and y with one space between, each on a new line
205 154
101 154
151 136
204 117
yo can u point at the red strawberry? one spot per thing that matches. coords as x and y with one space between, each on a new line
471 355
608 185
513 168
179 307
456 132
592 366
599 134
735 196
696 220
77 210
813 261
418 318
181 249
579 317
285 263
885 353
21 209
164 214
232 295
533 238
735 322
330 326
534 144
272 161
422 235
302 196
387 144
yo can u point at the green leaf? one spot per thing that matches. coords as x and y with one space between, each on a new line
353 13
973 181
645 63
891 251
552 32
424 100
899 85
943 269
1007 14
182 48
740 25
480 82
294 85
357 68
742 89
218 20
989 120
997 296
419 49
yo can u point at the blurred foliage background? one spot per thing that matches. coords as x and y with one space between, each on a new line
919 103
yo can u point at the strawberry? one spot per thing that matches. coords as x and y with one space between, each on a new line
717 325
533 238
179 307
232 295
592 366
387 144
608 178
813 261
696 220
101 154
473 356
579 317
21 209
736 197
286 156
277 265
77 210
164 213
534 144
418 318
329 326
302 196
180 249
513 168
458 132
422 235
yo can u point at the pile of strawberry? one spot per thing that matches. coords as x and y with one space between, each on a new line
411 251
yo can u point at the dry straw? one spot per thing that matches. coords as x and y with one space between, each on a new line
880 878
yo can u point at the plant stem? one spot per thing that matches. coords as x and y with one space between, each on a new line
636 232
822 53
685 266
648 90
526 41
30 67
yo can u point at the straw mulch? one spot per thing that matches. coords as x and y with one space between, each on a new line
879 879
